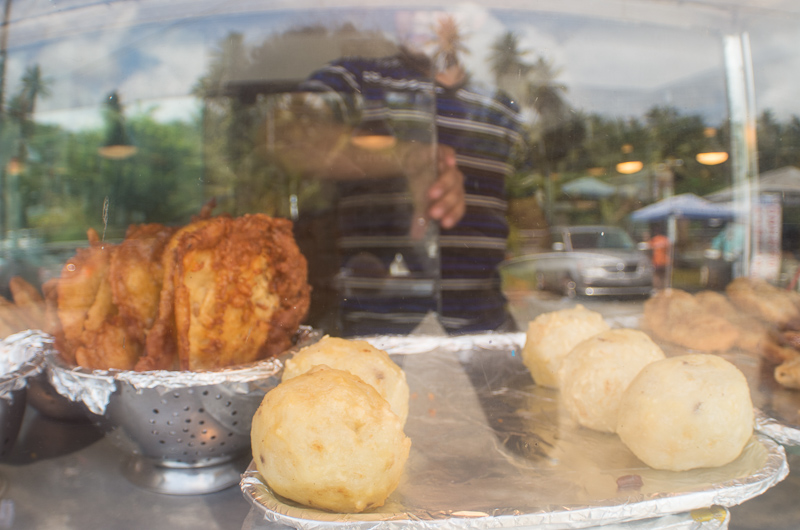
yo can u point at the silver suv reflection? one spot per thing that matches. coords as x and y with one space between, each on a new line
588 261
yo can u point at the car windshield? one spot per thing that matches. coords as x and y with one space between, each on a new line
601 238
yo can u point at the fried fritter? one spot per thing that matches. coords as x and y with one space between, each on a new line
161 347
755 336
80 281
240 291
763 301
28 301
675 316
218 292
136 274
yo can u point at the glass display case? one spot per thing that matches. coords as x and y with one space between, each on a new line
430 157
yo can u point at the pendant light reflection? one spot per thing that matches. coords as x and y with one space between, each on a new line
714 154
629 167
712 158
117 145
373 133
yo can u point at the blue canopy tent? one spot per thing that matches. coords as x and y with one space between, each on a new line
588 188
683 206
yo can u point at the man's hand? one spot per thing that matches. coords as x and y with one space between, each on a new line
446 195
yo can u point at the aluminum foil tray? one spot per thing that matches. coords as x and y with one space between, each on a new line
492 450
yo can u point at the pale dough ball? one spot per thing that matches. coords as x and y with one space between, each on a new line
328 440
359 357
597 371
551 336
687 412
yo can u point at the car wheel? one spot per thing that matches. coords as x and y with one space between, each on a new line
569 288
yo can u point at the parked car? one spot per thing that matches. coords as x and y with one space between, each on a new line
587 261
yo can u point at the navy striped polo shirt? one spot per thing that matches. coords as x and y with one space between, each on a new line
483 127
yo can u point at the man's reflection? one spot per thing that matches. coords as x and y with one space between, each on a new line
441 161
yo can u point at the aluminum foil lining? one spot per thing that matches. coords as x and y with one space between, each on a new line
20 359
95 387
490 449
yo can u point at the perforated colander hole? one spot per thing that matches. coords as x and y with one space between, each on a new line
152 421
205 392
186 429
218 396
188 420
228 404
235 423
179 440
187 408
201 422
162 442
170 422
163 401
201 410
155 411
190 391
154 433
176 395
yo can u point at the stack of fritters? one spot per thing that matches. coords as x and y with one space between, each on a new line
218 292
752 316
25 310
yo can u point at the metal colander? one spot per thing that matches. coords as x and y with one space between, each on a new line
185 432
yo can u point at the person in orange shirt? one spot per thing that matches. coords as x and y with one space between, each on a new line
659 248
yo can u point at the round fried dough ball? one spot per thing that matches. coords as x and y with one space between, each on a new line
597 371
687 412
359 357
551 336
328 440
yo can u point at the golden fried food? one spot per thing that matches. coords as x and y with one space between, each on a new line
359 357
754 336
673 315
161 344
687 412
787 374
234 291
764 301
80 281
11 316
108 346
551 336
135 274
217 292
328 440
29 302
50 293
597 371
9 321
241 291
